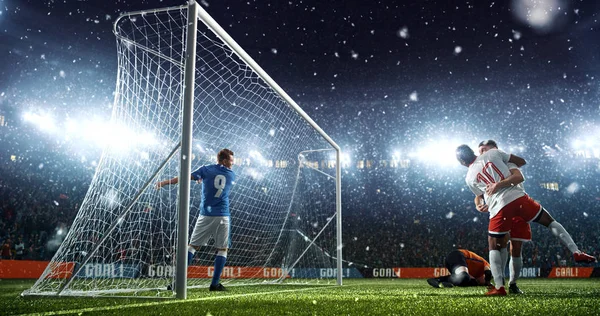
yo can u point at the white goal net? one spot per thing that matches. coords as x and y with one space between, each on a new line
283 204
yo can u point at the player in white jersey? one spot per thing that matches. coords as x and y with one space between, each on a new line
490 176
520 232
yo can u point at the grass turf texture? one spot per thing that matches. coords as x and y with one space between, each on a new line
356 297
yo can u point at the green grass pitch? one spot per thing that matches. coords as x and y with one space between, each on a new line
355 297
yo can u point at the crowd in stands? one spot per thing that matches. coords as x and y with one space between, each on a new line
404 219
39 198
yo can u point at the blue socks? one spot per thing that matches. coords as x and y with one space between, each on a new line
191 253
219 264
190 258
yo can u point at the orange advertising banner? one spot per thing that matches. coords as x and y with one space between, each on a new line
571 272
21 269
420 273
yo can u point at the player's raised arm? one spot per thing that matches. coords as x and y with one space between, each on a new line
520 162
486 145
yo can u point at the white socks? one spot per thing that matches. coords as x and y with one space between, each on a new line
496 267
504 255
516 263
559 231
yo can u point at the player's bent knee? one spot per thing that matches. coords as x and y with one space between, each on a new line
544 218
460 269
460 279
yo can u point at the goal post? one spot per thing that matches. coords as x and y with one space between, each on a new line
186 89
183 203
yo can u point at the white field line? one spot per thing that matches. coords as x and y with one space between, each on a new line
163 302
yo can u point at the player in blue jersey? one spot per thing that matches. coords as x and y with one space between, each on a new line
213 221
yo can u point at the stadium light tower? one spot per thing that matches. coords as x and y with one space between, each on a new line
44 122
442 154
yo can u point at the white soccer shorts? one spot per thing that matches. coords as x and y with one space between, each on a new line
211 226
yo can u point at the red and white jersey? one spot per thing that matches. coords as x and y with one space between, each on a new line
491 167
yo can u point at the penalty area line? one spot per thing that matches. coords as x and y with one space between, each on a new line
162 302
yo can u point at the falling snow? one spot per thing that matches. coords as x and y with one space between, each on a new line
398 86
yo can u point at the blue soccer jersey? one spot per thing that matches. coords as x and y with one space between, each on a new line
216 184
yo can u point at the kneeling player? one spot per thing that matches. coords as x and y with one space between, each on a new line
466 269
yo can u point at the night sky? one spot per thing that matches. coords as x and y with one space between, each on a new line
392 75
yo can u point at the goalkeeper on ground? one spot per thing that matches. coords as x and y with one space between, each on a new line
217 180
466 269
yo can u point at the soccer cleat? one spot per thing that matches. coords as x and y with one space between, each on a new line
447 284
170 287
434 282
496 292
218 287
514 289
583 257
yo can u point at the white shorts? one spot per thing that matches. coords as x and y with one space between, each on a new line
211 226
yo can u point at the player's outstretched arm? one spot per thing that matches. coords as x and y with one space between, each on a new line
520 162
169 182
163 183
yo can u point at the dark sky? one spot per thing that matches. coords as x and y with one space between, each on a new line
391 73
